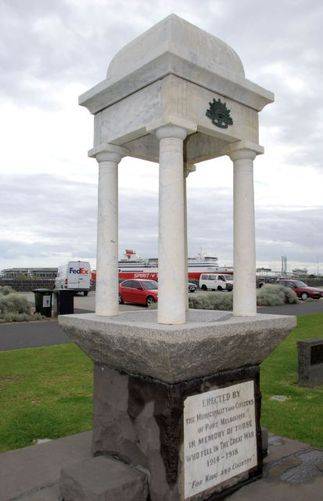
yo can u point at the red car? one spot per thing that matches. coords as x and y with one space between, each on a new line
138 292
302 290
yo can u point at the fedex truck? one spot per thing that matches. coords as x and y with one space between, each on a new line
75 275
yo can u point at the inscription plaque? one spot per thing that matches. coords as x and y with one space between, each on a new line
219 436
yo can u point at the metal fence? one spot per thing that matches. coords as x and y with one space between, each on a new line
27 285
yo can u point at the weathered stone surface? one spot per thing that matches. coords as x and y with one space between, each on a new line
177 36
140 421
264 440
310 362
32 471
169 75
211 341
26 473
300 467
103 479
174 46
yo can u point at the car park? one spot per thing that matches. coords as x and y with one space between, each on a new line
215 281
143 292
261 281
302 290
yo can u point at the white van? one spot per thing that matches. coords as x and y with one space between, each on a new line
75 275
214 282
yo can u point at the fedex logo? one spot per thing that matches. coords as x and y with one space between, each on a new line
79 271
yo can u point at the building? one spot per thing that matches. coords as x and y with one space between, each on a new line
29 273
300 272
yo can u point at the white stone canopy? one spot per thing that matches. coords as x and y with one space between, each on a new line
177 38
175 95
168 75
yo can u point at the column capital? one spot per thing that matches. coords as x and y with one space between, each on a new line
108 153
244 150
171 131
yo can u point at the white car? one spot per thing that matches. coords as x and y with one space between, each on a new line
215 282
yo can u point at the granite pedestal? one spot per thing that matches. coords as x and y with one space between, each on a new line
310 362
179 402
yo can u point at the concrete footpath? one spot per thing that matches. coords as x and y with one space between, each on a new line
293 471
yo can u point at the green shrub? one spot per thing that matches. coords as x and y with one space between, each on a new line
14 307
5 290
16 317
211 301
268 295
38 316
275 295
14 303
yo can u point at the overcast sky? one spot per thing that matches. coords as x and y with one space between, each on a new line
53 50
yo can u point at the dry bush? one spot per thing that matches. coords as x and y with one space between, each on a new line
275 295
14 307
5 290
268 295
211 301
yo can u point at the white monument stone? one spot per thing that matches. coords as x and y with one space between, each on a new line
155 101
176 392
219 436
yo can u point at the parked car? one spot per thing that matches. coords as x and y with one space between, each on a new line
215 281
138 292
260 281
302 290
191 287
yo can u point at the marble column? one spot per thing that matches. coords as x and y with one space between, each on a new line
244 252
107 274
188 168
172 288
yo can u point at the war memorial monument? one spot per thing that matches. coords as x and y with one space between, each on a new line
177 401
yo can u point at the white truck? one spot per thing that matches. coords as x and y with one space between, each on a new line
75 275
215 281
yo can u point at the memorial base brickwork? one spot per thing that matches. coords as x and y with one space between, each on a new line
198 439
180 404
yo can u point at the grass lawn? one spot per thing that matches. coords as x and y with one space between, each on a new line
47 392
44 393
301 415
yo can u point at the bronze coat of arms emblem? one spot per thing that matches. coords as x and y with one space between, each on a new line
219 114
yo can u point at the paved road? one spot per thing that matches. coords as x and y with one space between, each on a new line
39 333
30 335
302 308
44 333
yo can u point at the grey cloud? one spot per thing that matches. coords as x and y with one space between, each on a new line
61 42
46 45
60 219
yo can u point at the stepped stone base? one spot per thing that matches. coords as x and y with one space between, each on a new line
103 479
209 342
164 400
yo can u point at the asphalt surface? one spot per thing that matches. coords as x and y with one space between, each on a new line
30 335
46 333
43 332
302 308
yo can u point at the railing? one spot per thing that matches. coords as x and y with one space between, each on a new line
27 285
